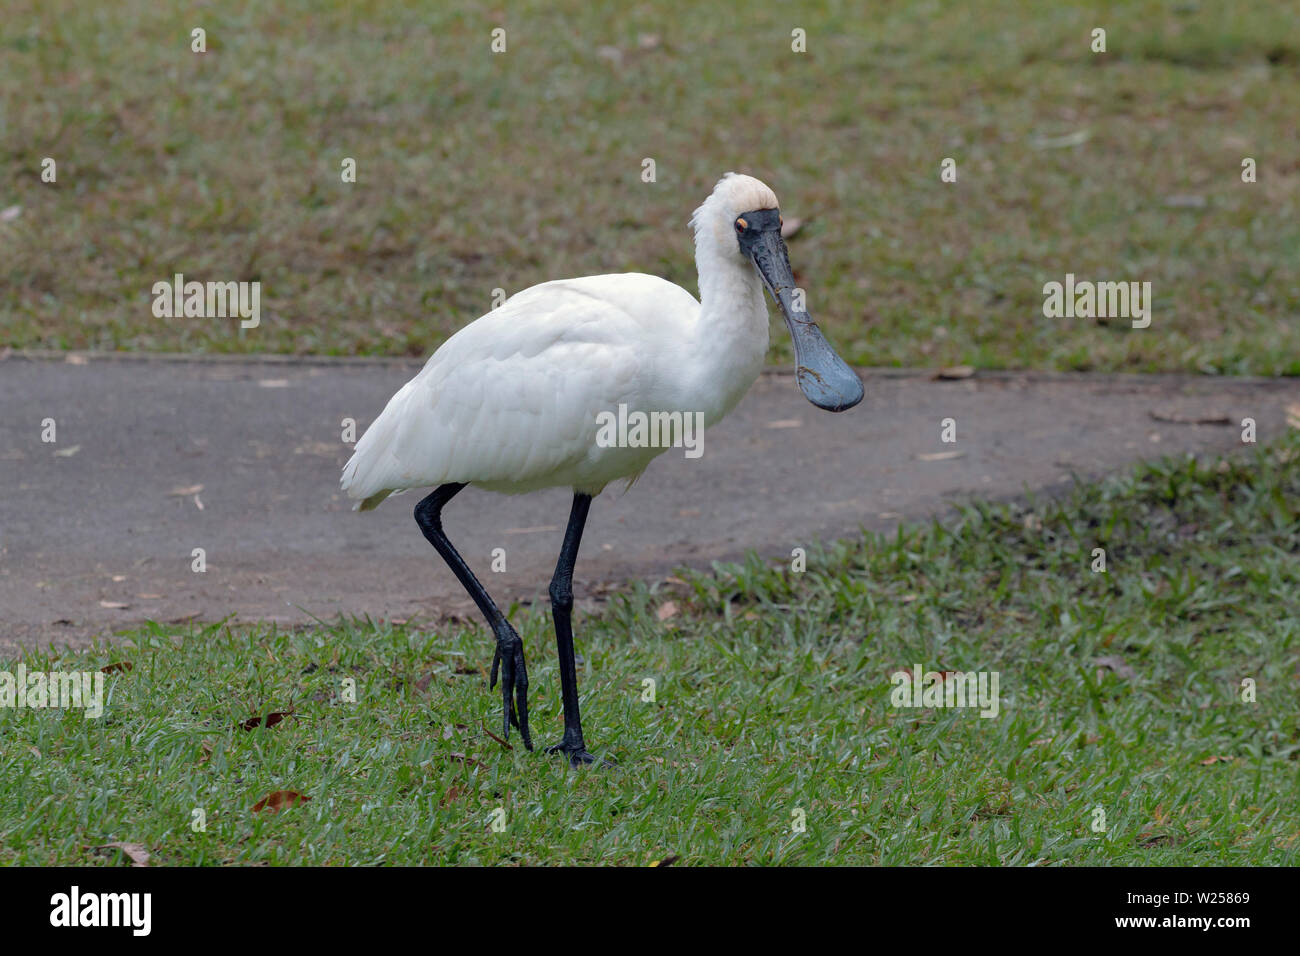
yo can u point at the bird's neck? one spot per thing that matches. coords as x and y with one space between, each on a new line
732 331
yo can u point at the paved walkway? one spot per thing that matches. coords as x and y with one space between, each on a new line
156 457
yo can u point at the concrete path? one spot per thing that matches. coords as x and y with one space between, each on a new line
156 457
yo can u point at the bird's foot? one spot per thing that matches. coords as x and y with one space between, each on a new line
509 660
578 754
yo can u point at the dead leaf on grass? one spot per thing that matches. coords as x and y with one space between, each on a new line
954 372
280 800
270 720
1117 665
135 852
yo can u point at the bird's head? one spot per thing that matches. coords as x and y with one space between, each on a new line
742 219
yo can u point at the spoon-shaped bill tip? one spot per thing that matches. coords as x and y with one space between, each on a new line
823 377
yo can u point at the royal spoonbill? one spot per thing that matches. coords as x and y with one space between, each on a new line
511 402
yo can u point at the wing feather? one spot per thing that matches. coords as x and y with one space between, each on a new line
512 397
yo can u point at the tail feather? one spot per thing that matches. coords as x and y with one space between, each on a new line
364 476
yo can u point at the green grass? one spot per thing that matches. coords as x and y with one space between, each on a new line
772 695
479 171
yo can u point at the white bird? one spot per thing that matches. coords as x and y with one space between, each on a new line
513 402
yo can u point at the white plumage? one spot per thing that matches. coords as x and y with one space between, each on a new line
514 401
510 402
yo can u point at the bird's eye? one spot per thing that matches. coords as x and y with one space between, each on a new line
741 225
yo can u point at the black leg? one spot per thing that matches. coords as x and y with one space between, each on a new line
562 609
509 655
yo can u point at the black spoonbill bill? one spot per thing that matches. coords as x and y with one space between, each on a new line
514 401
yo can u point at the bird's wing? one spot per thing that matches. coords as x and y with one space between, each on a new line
512 397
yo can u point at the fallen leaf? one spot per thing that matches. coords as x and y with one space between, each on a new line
1218 759
198 503
280 800
1077 138
185 491
270 720
1293 415
1178 418
939 455
324 449
116 666
1148 837
76 359
135 852
785 423
666 610
503 743
149 597
955 372
1116 664
666 861
648 41
10 213
67 452
114 605
470 761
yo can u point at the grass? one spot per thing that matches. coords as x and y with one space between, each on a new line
479 170
1120 691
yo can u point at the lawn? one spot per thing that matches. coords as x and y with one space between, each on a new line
479 170
1124 733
